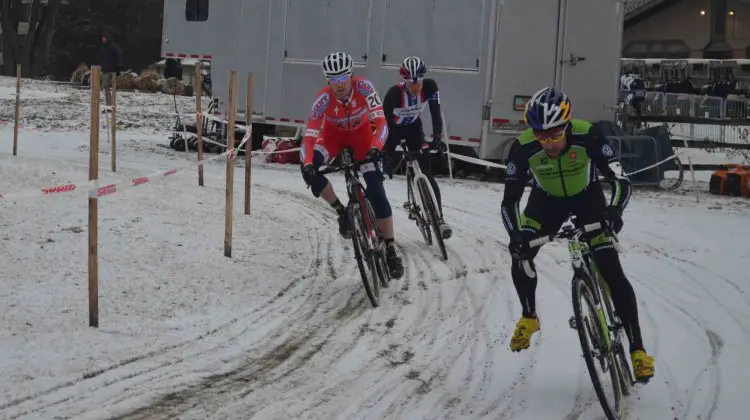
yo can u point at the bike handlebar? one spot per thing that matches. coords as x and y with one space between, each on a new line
412 153
348 166
567 232
564 234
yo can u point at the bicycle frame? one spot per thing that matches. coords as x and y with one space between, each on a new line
351 176
413 174
351 169
584 266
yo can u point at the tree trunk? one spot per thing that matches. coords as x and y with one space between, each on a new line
32 49
45 31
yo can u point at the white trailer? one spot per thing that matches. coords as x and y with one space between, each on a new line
487 56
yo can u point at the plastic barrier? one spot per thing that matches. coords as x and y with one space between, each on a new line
100 188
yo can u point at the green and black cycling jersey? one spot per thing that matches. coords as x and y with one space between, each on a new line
586 156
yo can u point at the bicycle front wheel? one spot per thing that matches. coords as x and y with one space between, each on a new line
378 246
431 212
597 350
363 253
416 212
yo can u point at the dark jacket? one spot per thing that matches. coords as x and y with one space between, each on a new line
110 56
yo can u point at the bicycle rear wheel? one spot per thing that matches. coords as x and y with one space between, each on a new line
363 253
595 351
430 210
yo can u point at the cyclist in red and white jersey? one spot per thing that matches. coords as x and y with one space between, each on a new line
341 117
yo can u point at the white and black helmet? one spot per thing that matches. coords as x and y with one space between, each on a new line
337 64
413 69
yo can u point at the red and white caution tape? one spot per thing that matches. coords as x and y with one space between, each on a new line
97 189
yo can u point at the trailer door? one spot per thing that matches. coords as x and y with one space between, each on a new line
193 28
591 56
315 29
525 59
446 34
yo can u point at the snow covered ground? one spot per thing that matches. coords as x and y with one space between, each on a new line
283 329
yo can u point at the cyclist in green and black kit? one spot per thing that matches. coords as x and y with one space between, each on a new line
565 158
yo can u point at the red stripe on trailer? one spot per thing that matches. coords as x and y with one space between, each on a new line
285 119
271 118
500 121
475 140
299 121
183 55
454 138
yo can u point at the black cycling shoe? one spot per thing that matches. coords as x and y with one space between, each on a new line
344 229
395 265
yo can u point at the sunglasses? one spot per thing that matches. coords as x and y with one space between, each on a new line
339 79
414 82
555 138
551 139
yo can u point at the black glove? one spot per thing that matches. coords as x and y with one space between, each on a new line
519 245
373 154
438 144
309 173
612 219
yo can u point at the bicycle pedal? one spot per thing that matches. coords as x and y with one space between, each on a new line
412 216
407 205
572 323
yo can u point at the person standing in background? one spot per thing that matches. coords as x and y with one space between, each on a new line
110 56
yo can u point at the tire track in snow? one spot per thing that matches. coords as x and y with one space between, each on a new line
302 339
419 308
467 303
156 372
675 263
286 399
663 253
476 403
113 374
484 231
454 270
682 405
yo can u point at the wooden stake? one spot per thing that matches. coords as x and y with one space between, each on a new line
199 120
249 142
93 201
18 110
230 164
113 152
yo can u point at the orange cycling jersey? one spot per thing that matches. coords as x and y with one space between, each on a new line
346 121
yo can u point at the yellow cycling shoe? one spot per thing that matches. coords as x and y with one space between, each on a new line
525 328
643 366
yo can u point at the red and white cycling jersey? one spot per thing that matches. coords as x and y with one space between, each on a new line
346 122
